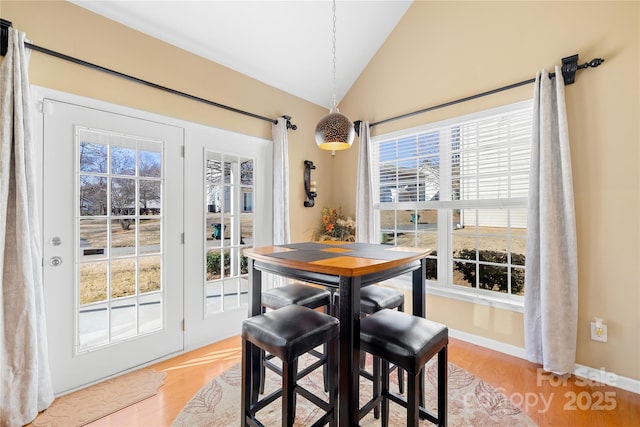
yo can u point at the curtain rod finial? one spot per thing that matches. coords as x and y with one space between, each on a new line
289 124
356 126
594 62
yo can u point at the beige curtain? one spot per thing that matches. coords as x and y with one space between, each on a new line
281 227
25 382
551 276
365 218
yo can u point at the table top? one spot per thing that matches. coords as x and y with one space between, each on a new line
337 258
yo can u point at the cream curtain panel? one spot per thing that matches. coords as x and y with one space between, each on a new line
281 229
281 224
551 277
25 381
365 220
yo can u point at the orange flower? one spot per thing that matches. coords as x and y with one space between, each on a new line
336 226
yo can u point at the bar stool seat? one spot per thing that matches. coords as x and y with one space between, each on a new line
375 298
297 294
408 342
288 333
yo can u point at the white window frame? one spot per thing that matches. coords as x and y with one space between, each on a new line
232 207
445 207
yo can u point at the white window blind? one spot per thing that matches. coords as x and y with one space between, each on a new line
459 187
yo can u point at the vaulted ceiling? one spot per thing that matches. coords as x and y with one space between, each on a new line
285 44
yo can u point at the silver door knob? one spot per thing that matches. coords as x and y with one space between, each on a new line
55 261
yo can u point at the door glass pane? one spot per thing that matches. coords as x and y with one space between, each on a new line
120 292
123 320
93 238
93 282
150 164
123 160
246 172
93 155
149 274
214 297
150 312
149 235
149 196
229 196
93 327
123 237
123 196
123 278
93 195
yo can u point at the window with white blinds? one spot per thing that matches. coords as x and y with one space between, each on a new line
459 187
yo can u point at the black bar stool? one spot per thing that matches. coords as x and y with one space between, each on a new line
409 342
373 299
288 333
298 294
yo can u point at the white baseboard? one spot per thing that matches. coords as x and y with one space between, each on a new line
509 349
599 375
609 378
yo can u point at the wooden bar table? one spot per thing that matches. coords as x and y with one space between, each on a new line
345 267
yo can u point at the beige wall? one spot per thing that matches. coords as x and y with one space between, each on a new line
442 51
439 52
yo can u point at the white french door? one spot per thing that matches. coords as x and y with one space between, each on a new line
229 209
113 219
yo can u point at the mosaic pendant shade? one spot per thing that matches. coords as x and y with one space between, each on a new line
334 132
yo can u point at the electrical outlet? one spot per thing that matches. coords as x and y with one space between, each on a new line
602 336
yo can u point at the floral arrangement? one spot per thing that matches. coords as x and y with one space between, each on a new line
336 226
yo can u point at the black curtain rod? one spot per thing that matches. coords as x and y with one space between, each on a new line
569 68
4 24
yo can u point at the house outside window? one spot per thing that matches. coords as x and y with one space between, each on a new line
460 187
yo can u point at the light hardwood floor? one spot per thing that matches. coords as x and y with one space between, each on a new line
547 400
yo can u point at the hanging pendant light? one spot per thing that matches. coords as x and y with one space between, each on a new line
334 131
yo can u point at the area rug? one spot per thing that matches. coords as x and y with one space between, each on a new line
99 400
472 402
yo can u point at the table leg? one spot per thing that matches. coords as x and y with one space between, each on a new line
255 290
254 308
349 381
246 379
419 277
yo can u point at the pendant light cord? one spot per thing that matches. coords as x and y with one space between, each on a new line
334 131
335 103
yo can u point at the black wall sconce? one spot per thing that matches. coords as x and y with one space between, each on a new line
309 186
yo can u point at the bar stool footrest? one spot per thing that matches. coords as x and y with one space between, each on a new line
301 374
371 404
313 398
424 414
254 422
262 403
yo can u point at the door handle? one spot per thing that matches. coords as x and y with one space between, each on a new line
55 261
